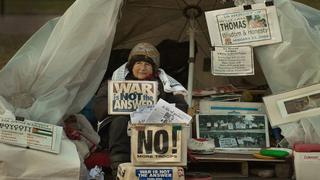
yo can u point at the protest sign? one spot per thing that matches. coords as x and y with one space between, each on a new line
255 25
126 96
153 143
127 171
30 134
232 61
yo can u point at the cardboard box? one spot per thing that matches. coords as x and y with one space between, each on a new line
159 144
307 163
127 171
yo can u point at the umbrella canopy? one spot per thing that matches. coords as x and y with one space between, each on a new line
181 20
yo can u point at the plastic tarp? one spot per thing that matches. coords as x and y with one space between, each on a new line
21 163
294 62
60 67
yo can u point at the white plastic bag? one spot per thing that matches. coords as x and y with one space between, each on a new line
59 69
294 62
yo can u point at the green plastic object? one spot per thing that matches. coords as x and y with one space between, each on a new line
274 153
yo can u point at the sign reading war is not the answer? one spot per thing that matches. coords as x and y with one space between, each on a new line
256 26
232 61
157 143
125 97
153 174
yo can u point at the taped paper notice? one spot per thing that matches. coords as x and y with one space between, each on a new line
232 61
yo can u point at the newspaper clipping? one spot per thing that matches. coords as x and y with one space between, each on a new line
156 143
164 112
30 134
232 61
126 96
235 26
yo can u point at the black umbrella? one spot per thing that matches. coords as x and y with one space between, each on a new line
155 20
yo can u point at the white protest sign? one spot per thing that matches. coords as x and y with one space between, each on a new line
127 171
232 61
153 143
125 97
30 134
257 25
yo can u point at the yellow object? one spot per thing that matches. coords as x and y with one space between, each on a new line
259 156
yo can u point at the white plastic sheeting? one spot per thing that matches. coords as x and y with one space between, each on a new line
294 62
60 67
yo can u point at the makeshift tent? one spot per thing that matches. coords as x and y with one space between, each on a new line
153 21
60 67
78 47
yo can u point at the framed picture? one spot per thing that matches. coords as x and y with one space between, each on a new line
293 105
234 131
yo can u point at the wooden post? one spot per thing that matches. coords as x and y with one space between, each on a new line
245 168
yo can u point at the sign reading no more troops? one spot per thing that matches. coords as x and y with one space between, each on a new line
156 143
125 97
255 26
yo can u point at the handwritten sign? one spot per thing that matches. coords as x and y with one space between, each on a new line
126 96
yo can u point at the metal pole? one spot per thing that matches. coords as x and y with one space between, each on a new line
191 61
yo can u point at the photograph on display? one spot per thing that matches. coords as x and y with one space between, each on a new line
293 105
234 131
301 104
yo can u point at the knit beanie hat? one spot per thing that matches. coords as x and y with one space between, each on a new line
146 49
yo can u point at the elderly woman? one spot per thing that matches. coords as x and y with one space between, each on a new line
143 64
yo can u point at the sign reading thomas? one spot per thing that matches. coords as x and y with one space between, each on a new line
126 96
253 25
157 143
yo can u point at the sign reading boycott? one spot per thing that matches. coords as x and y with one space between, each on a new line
156 143
126 96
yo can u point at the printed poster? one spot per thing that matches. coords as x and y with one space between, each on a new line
128 171
234 131
232 61
125 97
255 26
156 143
30 134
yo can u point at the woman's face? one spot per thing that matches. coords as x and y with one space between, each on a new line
142 70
